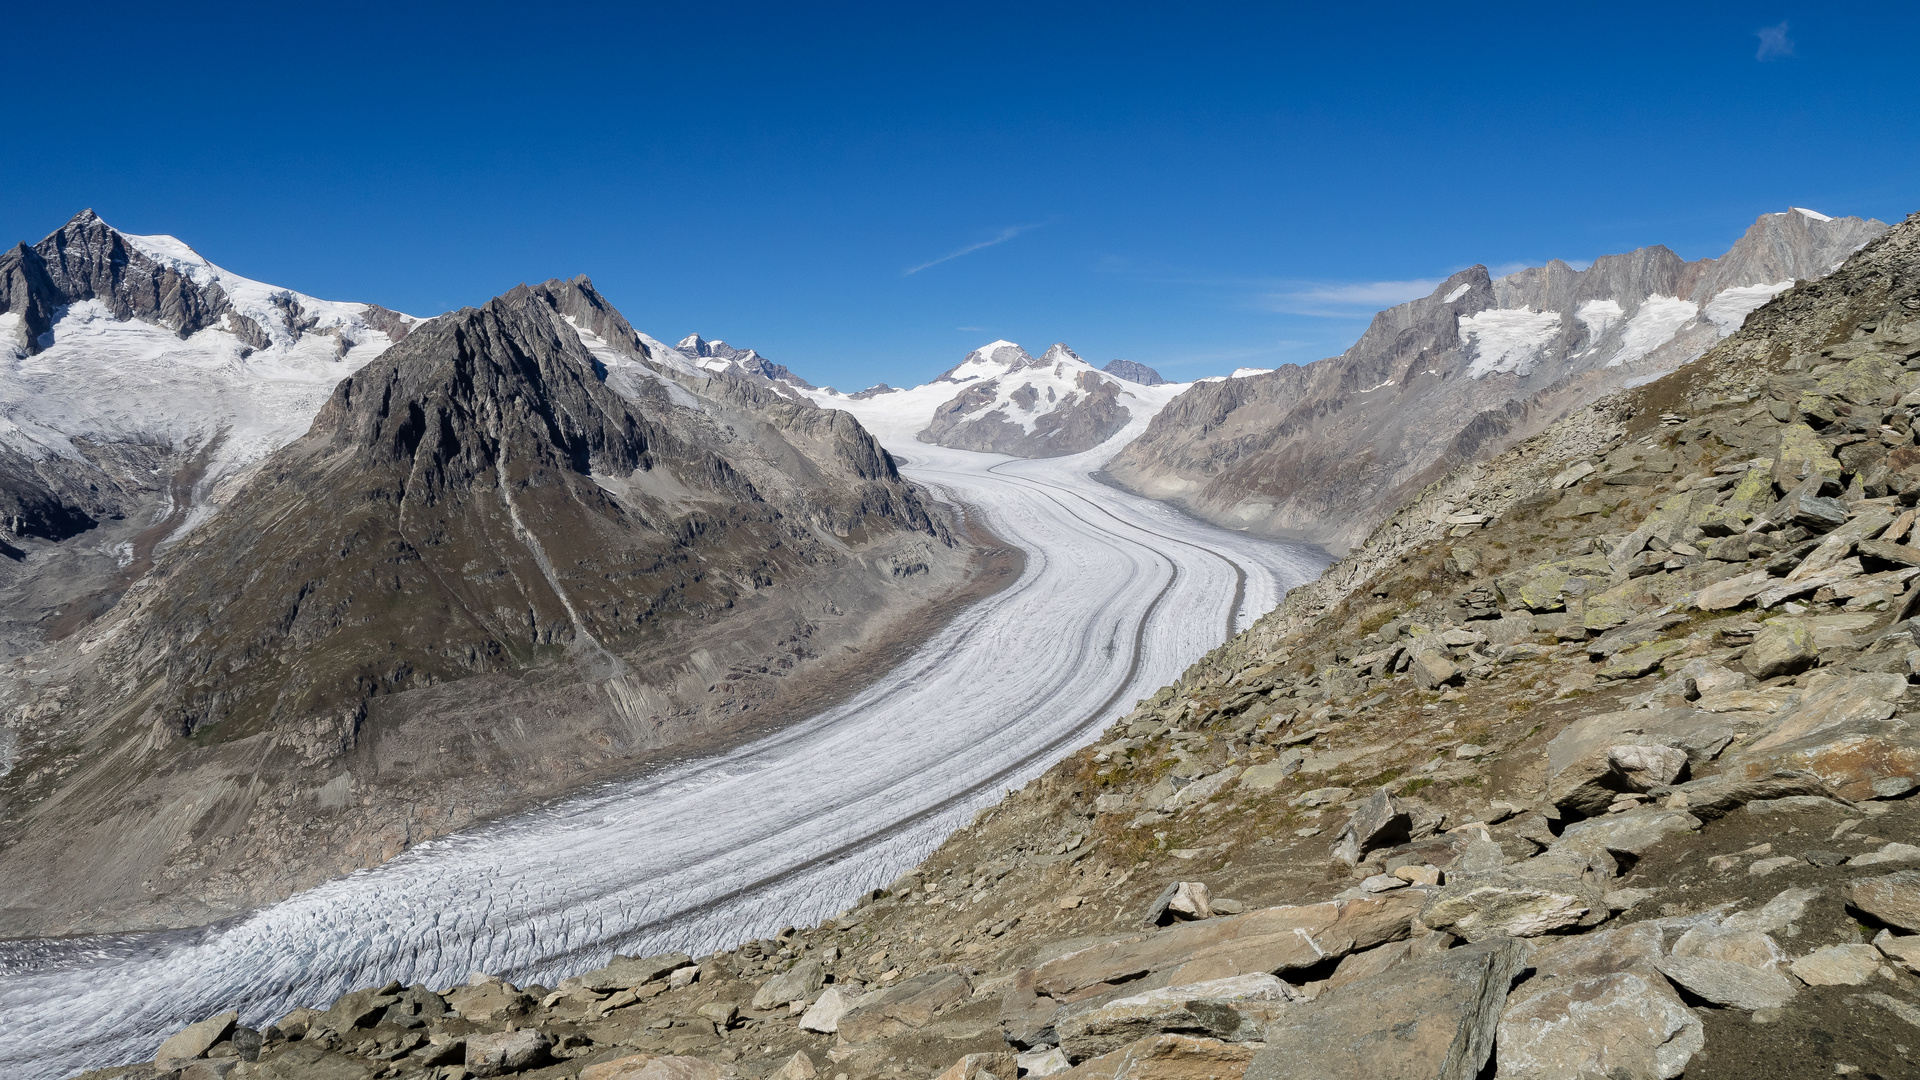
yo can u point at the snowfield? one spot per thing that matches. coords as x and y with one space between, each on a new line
1119 595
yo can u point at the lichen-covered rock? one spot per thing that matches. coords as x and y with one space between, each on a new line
1784 648
1801 454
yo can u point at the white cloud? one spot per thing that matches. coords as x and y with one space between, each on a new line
1774 42
1004 236
1346 299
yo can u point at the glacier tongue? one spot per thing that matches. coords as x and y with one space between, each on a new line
1118 597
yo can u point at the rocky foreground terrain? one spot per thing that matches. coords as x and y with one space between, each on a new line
1596 760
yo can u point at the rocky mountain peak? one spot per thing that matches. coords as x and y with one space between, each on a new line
1134 372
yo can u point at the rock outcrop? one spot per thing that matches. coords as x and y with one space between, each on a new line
1325 451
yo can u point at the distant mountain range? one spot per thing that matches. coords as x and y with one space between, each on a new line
1323 451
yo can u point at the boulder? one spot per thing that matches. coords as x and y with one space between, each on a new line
194 1040
1191 900
908 1005
1202 789
1904 948
1218 1009
1893 899
1752 948
1633 833
506 1052
1801 455
1782 912
1838 965
801 1067
1427 1018
1271 940
627 972
1431 669
1044 1061
824 1014
1482 910
1724 982
1784 648
1545 586
1895 852
1602 1027
1168 1057
798 982
1381 821
1588 764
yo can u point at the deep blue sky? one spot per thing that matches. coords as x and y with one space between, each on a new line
1194 187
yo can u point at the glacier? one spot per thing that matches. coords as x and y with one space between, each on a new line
1119 595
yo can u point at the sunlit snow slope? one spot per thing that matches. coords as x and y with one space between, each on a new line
1119 595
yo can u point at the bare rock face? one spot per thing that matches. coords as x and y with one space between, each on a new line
1325 451
1015 404
1134 372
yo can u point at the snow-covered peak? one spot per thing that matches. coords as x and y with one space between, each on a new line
989 361
285 315
1814 214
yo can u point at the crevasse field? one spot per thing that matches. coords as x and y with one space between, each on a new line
1119 595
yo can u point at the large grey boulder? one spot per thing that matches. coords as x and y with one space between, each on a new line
1784 648
627 972
794 984
1601 1027
1724 982
1425 1018
194 1040
506 1052
1230 1009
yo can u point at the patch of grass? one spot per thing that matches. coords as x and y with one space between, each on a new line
1416 785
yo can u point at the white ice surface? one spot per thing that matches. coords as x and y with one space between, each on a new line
1728 310
1814 214
1659 318
1118 596
1243 372
1457 292
1504 340
1599 316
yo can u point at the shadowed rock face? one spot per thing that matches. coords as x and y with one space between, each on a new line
515 518
1327 450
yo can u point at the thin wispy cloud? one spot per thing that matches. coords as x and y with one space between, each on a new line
1347 299
1774 42
1003 236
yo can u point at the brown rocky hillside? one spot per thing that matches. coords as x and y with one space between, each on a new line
1595 761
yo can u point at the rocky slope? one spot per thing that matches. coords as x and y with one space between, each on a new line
1325 451
1595 760
524 548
